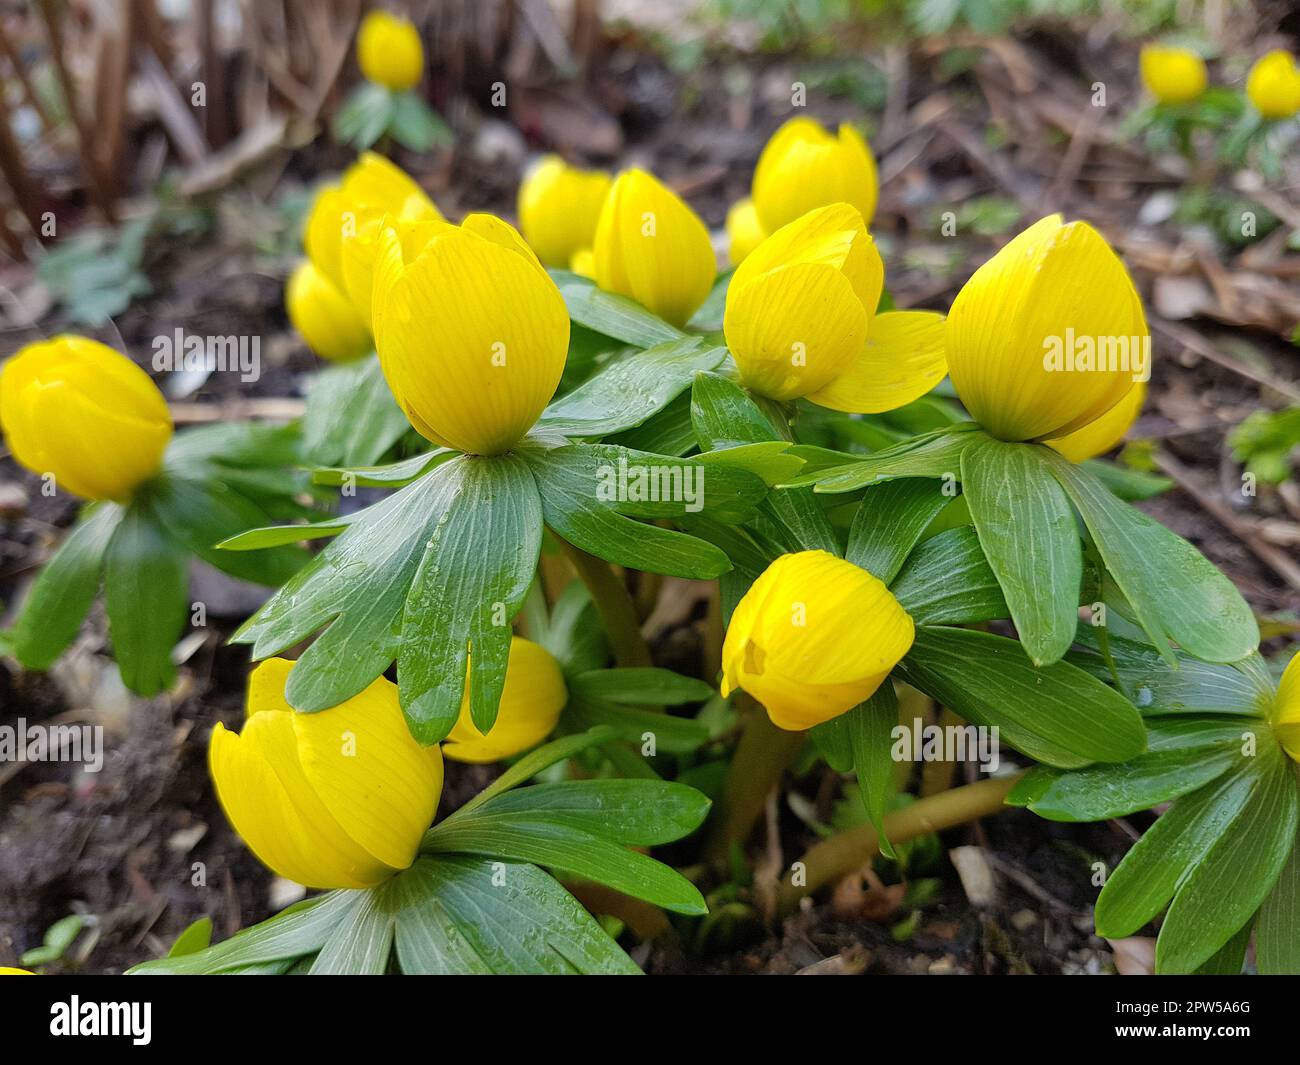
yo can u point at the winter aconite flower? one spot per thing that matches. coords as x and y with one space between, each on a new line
471 332
744 231
1048 335
813 637
1286 710
559 206
805 166
531 702
1273 85
336 799
1172 75
389 51
651 247
325 317
1096 438
801 320
342 230
79 410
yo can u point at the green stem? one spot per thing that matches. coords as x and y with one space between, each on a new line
761 757
613 604
842 853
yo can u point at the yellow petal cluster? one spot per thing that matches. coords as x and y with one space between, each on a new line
389 51
813 637
472 333
801 320
531 702
324 316
337 799
1172 75
1286 709
1048 335
559 206
342 231
651 247
1273 85
79 410
805 166
744 231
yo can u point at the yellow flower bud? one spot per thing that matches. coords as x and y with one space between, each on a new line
324 316
804 166
79 410
1273 85
744 231
531 702
389 51
583 263
337 799
1172 75
813 637
342 231
1048 335
1096 438
1286 709
801 320
559 206
471 332
653 248
6 970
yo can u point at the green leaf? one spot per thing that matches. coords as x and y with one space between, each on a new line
1030 539
769 460
365 116
471 582
569 850
630 389
359 945
146 592
640 686
672 735
279 535
1277 933
569 479
889 521
196 937
724 415
391 475
934 454
357 586
803 524
708 319
1223 890
461 916
870 726
1183 754
416 126
61 595
1177 594
667 433
947 581
1229 959
1125 482
614 316
1056 714
351 418
636 813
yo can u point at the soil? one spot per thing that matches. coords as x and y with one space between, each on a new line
141 849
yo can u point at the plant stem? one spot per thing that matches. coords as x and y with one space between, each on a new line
842 853
614 605
761 757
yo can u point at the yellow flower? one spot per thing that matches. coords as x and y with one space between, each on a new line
389 51
342 231
744 231
813 637
471 332
651 247
81 411
1286 709
559 206
324 316
1273 85
804 166
801 320
1048 335
6 970
337 799
583 263
531 702
1172 75
1096 438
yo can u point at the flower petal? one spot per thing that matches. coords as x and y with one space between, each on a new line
903 359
